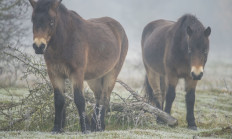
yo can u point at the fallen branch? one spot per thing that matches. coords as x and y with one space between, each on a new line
136 95
171 121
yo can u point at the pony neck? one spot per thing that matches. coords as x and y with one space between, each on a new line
180 38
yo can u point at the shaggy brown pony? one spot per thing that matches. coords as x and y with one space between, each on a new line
174 50
78 49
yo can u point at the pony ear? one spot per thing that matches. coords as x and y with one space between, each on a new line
189 31
207 31
57 4
33 3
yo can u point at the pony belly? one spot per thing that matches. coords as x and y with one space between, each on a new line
101 66
97 73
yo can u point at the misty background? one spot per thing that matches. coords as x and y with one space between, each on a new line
134 15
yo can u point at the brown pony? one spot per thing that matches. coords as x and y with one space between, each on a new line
174 50
78 49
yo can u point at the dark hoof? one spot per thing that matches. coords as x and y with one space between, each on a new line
57 131
192 127
95 128
86 132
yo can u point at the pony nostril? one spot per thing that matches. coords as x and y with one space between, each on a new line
192 74
201 74
39 49
196 77
34 46
42 46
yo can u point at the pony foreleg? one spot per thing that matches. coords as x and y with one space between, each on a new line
59 111
190 101
171 94
59 101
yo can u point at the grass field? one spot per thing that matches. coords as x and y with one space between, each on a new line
213 112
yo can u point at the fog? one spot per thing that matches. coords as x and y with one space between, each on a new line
135 14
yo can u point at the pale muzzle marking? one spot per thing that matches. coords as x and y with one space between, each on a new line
197 70
39 41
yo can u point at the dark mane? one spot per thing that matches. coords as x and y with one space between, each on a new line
180 28
42 10
189 20
45 5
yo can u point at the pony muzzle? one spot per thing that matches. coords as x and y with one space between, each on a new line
39 45
197 72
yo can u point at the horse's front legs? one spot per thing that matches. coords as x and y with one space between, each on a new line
59 111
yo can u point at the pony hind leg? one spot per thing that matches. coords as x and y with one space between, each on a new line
77 84
97 116
157 92
155 97
148 91
163 87
102 89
